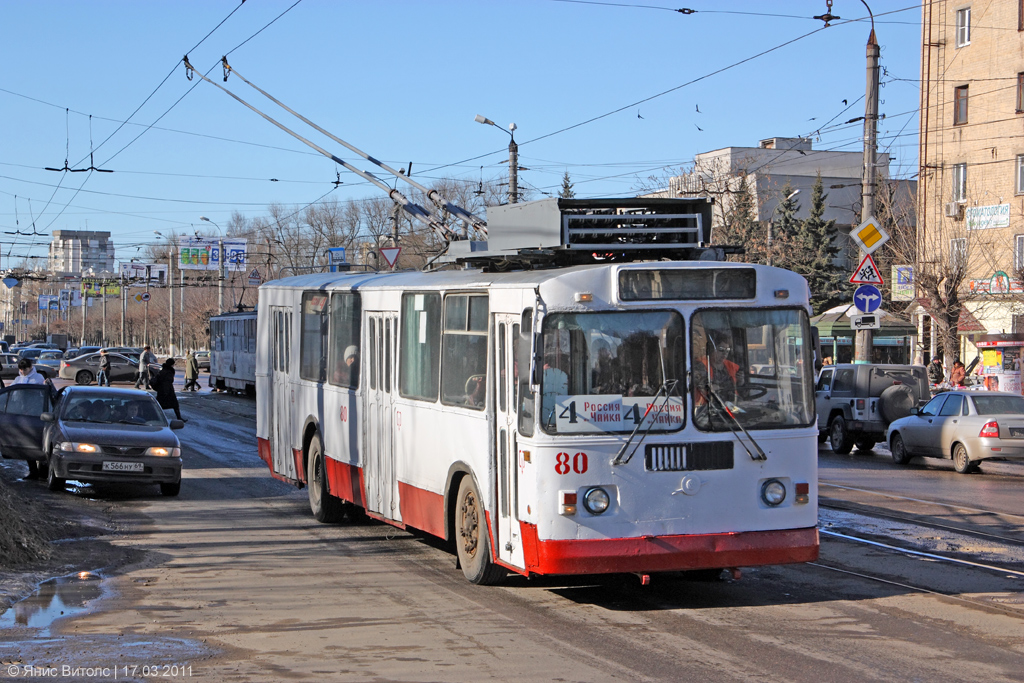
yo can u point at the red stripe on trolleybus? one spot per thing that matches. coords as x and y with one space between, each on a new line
667 553
345 481
265 456
300 467
421 509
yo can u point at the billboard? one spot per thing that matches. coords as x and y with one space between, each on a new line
135 274
48 302
201 253
92 287
69 298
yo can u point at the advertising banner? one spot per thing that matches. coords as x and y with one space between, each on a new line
134 274
902 283
92 287
985 217
201 253
48 302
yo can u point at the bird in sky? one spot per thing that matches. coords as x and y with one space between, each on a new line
638 114
844 101
698 108
699 128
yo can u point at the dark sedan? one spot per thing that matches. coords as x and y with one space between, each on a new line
84 369
99 434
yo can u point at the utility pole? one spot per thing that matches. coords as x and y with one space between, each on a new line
145 324
103 300
85 301
170 297
863 343
124 307
220 277
513 166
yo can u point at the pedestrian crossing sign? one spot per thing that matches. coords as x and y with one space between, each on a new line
867 273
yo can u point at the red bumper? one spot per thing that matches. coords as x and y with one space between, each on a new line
667 553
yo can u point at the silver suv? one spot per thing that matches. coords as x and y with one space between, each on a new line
857 401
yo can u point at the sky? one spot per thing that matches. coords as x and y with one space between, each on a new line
612 93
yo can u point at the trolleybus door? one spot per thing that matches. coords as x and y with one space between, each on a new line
280 399
379 466
507 539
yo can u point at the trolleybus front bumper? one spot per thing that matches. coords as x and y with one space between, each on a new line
667 553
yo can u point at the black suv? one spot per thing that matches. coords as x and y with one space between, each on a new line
857 401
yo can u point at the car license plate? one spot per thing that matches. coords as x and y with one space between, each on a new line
123 466
1017 431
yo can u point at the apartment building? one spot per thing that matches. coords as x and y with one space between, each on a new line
971 179
76 251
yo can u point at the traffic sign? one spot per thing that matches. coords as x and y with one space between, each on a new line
254 278
144 296
866 273
869 235
390 254
867 298
868 321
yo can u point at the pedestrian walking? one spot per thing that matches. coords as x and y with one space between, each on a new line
145 359
191 372
164 385
936 374
103 377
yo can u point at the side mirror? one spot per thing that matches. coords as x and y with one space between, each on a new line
47 417
177 424
915 410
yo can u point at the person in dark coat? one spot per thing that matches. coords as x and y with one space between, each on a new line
164 385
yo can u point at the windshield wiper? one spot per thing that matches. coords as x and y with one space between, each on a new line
667 387
760 455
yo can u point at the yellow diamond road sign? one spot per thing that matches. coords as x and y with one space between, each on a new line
869 235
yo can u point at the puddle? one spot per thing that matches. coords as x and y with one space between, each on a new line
55 599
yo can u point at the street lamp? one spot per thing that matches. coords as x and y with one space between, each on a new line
513 157
771 223
170 291
220 265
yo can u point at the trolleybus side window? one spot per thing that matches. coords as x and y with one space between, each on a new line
419 358
373 353
609 372
464 349
752 366
344 356
523 336
313 356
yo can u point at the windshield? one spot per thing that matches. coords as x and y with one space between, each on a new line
110 409
602 372
754 363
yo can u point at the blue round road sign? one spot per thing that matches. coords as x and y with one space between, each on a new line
867 298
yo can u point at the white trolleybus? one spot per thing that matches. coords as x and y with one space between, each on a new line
233 352
609 398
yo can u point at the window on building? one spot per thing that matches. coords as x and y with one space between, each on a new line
313 356
1017 323
1018 253
958 252
1020 15
963 27
959 182
420 351
464 348
1020 91
960 105
1019 183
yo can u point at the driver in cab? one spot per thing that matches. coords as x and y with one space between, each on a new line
717 369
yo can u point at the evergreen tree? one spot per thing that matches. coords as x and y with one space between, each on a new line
740 226
812 250
567 191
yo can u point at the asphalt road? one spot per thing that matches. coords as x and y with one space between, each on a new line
237 581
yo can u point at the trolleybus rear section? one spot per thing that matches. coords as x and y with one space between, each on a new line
233 351
639 416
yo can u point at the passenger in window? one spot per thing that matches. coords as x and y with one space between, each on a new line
476 390
556 383
606 374
347 373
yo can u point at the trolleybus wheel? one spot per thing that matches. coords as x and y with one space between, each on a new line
471 537
326 508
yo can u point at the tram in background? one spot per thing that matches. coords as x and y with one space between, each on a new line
233 352
551 408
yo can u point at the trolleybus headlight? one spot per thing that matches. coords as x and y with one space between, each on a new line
773 492
596 500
